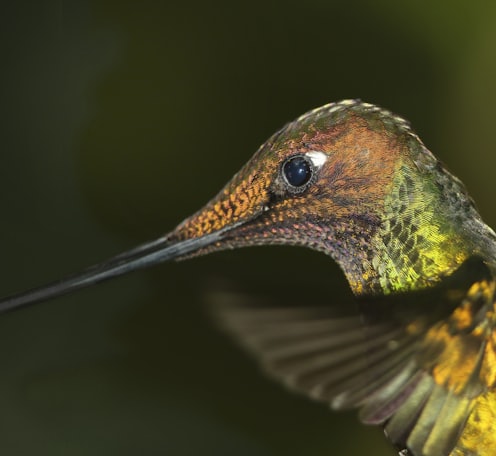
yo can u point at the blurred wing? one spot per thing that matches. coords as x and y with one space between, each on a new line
419 363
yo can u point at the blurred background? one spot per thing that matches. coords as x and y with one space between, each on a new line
118 119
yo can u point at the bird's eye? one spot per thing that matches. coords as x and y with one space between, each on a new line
297 172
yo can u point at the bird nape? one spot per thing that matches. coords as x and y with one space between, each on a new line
354 181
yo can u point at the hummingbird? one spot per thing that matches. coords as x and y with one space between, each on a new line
354 181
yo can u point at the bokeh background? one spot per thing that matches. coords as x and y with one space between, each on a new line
118 119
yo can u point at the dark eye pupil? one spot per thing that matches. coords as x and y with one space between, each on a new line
297 171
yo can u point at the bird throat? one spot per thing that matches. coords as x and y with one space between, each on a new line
416 245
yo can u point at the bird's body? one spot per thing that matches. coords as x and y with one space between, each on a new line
401 227
355 182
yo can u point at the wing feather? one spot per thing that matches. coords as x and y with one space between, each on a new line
414 363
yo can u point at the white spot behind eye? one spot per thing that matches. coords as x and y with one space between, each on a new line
318 158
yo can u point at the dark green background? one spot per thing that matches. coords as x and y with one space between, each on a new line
119 119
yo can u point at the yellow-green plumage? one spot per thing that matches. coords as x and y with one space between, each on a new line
416 245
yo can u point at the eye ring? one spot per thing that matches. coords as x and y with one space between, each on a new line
298 173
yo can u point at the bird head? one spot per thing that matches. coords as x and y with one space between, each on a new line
348 179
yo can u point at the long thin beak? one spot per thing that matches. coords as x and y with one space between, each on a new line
221 223
152 253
